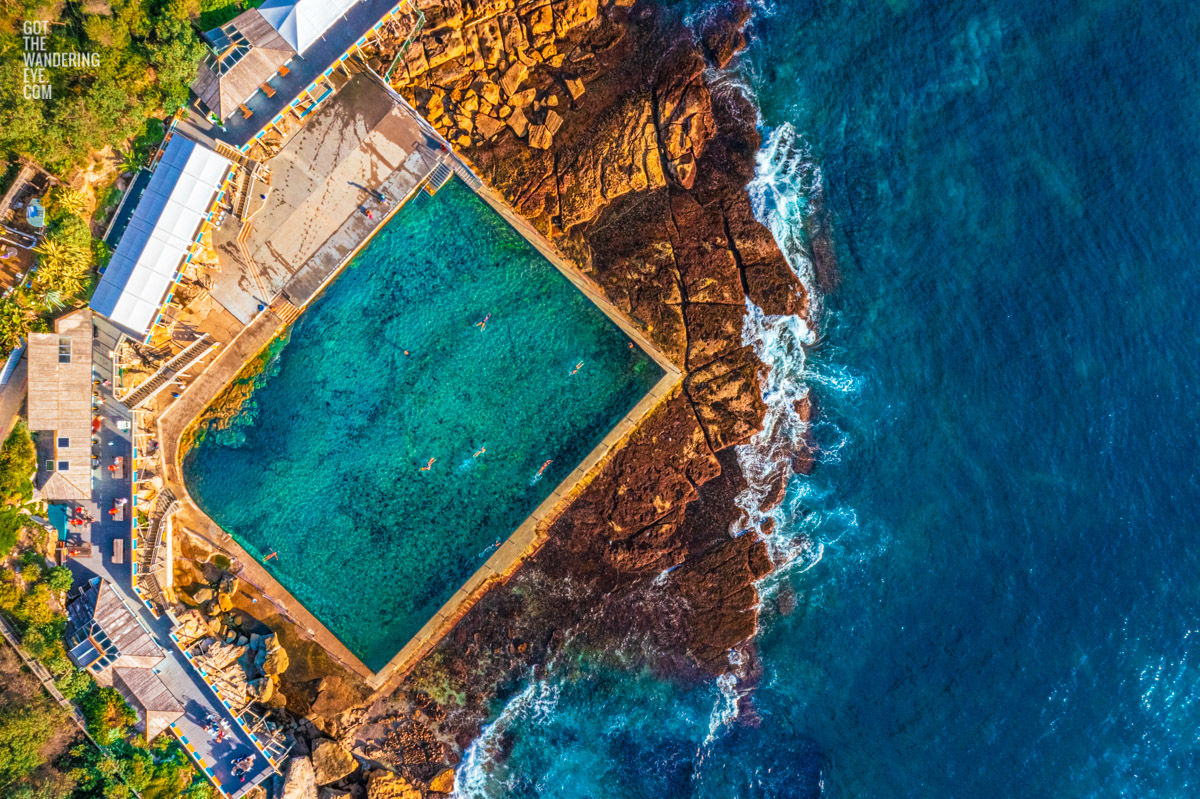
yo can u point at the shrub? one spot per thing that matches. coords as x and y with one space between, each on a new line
18 457
106 713
59 579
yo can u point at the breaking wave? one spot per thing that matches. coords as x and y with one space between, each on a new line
477 777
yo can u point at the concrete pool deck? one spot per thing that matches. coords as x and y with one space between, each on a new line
299 283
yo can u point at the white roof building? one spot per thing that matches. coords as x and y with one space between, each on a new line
160 235
301 22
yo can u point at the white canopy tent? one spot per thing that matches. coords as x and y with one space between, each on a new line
301 22
159 235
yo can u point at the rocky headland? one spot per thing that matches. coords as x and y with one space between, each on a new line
606 126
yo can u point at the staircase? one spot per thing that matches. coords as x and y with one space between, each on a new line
468 177
285 310
150 553
167 372
439 177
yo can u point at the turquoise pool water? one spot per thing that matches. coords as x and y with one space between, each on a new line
322 465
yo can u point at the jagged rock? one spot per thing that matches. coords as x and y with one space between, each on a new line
229 585
540 20
622 157
300 781
443 46
722 33
685 114
220 655
443 782
553 122
518 123
490 92
487 126
202 595
260 690
575 87
224 602
331 761
552 100
522 98
569 14
465 123
540 137
727 398
514 76
386 785
276 662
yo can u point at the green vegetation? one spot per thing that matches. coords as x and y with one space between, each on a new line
148 52
42 753
18 461
64 274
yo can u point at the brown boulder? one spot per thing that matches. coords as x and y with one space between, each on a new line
443 782
386 785
300 781
540 137
331 761
722 33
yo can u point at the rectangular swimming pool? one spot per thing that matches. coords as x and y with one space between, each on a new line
413 417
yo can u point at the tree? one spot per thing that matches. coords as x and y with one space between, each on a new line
59 579
106 713
18 460
74 683
34 608
23 733
14 324
10 529
63 265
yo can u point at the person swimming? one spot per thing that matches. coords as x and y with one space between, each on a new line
429 465
578 366
544 465
480 452
482 324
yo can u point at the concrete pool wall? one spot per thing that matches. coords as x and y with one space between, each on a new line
522 542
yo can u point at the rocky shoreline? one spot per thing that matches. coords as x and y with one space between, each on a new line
600 125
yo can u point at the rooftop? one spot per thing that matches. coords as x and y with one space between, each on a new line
60 406
160 235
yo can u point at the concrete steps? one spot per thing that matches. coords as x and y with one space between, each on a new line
439 177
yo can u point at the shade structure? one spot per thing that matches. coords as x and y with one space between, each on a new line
159 235
301 22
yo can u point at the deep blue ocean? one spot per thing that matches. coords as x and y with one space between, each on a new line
996 566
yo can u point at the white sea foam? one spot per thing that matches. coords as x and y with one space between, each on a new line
476 777
725 707
786 185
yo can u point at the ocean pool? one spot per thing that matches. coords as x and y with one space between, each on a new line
322 462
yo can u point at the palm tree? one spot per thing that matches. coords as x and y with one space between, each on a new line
72 201
129 161
62 268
